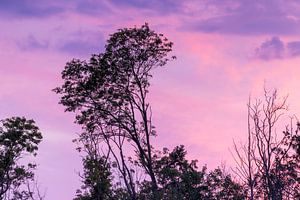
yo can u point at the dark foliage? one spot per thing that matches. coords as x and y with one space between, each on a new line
96 180
19 138
179 178
109 96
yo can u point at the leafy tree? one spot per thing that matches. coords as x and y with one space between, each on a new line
19 138
109 96
221 186
285 168
96 179
179 178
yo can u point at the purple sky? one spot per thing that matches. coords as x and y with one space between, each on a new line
225 51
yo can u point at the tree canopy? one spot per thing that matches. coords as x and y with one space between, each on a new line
19 138
109 96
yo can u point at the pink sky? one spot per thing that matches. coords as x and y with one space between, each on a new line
225 51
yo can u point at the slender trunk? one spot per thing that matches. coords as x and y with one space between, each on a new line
249 157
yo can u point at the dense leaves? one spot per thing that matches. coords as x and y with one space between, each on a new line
18 138
96 180
113 83
180 178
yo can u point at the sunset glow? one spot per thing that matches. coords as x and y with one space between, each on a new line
226 50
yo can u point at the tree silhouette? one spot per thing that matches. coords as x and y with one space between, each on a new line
97 180
19 138
179 178
267 164
109 96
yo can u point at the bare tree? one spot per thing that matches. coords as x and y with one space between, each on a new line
246 169
266 163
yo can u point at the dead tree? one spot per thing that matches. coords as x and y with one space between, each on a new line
265 163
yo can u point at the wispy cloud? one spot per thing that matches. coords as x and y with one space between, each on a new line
93 8
249 18
32 43
27 8
82 43
293 48
160 7
77 47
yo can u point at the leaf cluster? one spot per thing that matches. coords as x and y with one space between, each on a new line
19 137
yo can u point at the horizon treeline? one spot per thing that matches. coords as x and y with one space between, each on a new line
109 96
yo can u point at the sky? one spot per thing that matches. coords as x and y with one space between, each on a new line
226 51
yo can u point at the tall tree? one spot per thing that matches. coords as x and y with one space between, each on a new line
109 96
19 138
